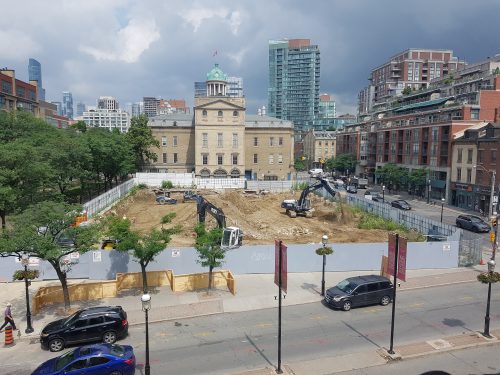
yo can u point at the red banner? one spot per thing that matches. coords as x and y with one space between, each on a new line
403 244
283 264
391 254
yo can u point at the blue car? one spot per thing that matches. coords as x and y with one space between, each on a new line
99 359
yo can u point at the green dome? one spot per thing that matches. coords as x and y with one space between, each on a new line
216 74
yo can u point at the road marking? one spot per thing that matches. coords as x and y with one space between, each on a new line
416 305
203 334
318 317
371 310
264 325
466 297
164 334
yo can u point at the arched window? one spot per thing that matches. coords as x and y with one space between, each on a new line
204 113
220 173
219 113
205 173
235 113
235 173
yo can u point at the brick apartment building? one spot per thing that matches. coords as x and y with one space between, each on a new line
17 94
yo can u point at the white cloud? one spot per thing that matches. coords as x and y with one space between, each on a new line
129 44
238 56
196 16
24 45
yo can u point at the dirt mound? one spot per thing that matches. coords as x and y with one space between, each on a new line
260 216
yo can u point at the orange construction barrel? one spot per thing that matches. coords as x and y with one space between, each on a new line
9 337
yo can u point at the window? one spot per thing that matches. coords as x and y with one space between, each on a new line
271 159
235 140
235 113
459 174
459 156
7 87
164 158
78 365
220 159
81 323
174 139
280 158
271 141
469 156
219 140
204 159
235 159
480 154
373 287
219 114
204 113
204 140
361 289
469 175
96 361
175 157
96 320
255 158
493 156
163 141
255 141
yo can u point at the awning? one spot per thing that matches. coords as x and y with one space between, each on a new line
427 103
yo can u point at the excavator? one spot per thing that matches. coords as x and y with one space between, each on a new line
303 205
231 236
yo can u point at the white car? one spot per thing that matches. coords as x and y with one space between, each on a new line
316 172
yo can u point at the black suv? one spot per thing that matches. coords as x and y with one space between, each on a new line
103 323
360 291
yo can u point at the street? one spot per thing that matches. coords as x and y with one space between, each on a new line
228 343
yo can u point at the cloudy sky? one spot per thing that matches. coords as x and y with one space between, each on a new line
129 49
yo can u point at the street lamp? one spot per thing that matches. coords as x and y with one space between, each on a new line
442 207
146 305
491 269
25 262
429 191
324 240
383 193
492 192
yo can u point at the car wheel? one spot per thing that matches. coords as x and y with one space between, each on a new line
459 225
56 345
385 300
109 337
346 306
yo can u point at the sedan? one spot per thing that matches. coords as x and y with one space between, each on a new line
473 223
352 189
401 204
99 359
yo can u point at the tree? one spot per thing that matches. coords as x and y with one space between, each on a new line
392 175
300 164
210 253
406 90
144 248
46 231
417 179
141 139
345 162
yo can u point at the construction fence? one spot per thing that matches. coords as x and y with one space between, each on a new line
106 199
108 289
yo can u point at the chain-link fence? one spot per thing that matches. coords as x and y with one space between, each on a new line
98 204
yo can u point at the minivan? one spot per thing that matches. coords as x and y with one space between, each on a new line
360 291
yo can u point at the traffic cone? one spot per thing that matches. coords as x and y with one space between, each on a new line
9 337
482 262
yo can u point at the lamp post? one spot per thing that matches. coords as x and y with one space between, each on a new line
492 192
25 262
146 305
429 191
383 193
486 333
324 240
442 207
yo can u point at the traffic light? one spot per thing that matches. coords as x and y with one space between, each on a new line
493 221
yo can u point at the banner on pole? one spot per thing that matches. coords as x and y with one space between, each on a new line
283 270
403 246
391 254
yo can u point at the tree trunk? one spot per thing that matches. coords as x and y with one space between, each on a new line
3 215
144 278
64 283
210 269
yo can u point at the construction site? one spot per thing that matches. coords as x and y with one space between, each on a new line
260 217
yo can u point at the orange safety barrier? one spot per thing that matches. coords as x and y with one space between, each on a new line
9 337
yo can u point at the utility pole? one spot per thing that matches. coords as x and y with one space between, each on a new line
492 194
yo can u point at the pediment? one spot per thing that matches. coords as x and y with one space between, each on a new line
220 104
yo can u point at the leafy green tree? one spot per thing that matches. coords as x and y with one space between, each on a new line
46 231
141 139
144 248
210 253
406 90
393 176
300 164
80 126
344 163
417 179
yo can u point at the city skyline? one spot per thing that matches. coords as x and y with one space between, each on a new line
136 49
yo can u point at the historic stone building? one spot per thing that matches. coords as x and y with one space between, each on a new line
220 140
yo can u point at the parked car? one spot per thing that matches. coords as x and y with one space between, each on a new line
472 223
374 196
98 359
103 323
316 172
352 189
360 291
401 204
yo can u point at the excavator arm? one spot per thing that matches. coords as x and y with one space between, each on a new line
302 206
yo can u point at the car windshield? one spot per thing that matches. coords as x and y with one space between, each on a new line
70 319
346 286
117 350
476 220
64 360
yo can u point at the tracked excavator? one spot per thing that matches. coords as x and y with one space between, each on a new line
232 237
303 205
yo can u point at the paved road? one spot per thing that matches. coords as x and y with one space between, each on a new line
229 343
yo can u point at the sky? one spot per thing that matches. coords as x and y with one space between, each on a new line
129 49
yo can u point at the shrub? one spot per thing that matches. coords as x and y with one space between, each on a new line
167 185
488 277
22 274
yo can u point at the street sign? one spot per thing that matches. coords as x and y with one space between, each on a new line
96 256
176 253
283 270
446 247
